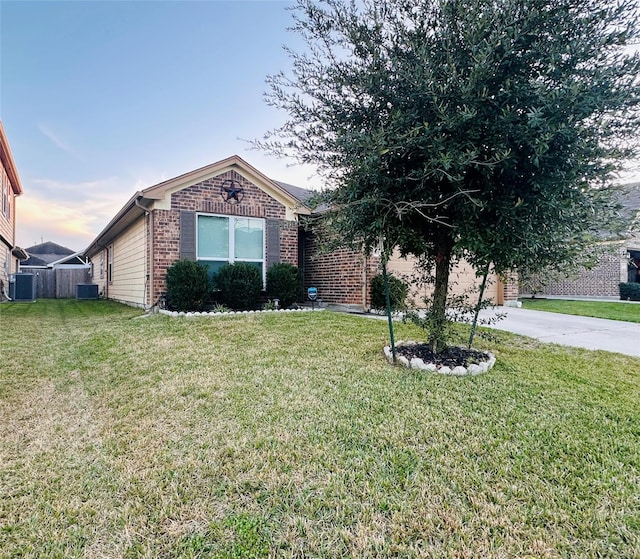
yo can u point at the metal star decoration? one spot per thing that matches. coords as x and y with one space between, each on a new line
231 190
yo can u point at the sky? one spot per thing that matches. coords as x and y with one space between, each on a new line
101 99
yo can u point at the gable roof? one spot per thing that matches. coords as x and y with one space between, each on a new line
8 163
49 254
155 196
49 247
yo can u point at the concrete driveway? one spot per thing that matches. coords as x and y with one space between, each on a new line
578 331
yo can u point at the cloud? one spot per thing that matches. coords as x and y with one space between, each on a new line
68 214
62 191
55 139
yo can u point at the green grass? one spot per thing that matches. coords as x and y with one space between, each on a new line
288 435
612 310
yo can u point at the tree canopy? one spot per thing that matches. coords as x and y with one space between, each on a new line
488 128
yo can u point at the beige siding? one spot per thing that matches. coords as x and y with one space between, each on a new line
128 268
5 269
462 279
99 271
7 214
7 227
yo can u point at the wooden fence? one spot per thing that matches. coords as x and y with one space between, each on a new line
57 283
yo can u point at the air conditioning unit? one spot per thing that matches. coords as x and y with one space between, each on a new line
23 288
86 291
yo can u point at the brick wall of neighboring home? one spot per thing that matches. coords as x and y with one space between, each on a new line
342 277
206 197
510 288
600 281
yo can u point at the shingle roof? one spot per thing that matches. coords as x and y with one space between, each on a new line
301 194
49 248
45 253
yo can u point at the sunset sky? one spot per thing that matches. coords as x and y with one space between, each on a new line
100 99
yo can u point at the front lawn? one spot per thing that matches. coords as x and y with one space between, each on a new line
612 310
288 435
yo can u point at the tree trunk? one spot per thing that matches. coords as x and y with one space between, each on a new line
438 323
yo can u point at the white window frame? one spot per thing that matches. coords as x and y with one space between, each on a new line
232 242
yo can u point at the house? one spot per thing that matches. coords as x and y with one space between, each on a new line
223 213
10 188
51 255
57 270
619 261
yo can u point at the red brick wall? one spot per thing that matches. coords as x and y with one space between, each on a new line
340 276
206 197
166 247
510 288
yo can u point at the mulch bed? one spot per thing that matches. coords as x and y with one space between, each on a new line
450 357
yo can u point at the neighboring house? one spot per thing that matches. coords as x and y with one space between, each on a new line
222 213
10 188
52 255
57 270
618 263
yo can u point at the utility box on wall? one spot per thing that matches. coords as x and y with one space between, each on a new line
86 291
23 288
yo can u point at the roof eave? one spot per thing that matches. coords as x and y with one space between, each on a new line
9 164
20 253
158 191
125 217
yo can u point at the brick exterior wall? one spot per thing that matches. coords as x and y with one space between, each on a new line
510 288
206 197
342 277
600 281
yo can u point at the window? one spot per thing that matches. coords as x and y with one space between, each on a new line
225 240
5 192
110 264
102 264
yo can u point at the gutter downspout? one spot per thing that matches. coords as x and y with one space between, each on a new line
147 214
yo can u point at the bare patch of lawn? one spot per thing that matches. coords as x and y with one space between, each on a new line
290 436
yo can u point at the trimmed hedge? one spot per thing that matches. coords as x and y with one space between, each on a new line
188 286
398 290
240 286
630 291
283 283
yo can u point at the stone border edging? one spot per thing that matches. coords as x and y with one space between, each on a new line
417 363
229 313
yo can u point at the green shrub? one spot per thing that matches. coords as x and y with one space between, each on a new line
398 290
239 286
188 286
630 291
283 283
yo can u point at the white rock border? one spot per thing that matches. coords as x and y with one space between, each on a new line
229 313
417 363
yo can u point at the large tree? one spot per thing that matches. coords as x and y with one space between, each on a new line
487 128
